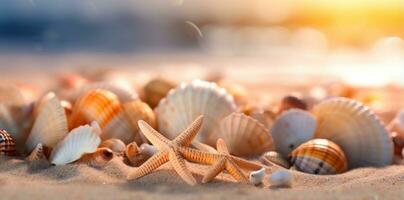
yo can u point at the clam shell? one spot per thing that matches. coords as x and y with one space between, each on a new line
292 128
244 136
188 101
271 158
37 154
50 125
81 140
96 105
256 177
7 145
356 129
281 178
319 156
97 159
155 90
116 145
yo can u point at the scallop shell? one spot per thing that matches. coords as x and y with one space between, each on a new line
271 158
116 145
7 145
81 140
244 136
319 156
50 125
356 129
124 125
97 159
188 101
37 154
289 102
281 178
256 177
155 90
96 105
292 128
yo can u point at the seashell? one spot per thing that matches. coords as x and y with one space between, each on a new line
97 159
319 156
37 154
81 140
50 125
356 129
256 177
244 136
185 103
281 178
289 102
116 145
266 117
238 92
7 145
396 129
67 106
124 125
155 90
96 105
271 158
147 149
292 128
398 141
12 95
136 155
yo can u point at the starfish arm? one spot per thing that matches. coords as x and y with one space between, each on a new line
152 135
186 137
197 156
180 167
151 164
246 164
221 146
235 171
214 170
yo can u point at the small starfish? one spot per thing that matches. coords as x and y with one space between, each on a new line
168 151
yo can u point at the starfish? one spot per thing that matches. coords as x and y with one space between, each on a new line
168 151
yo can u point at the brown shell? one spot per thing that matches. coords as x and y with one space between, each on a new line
134 154
289 102
271 158
7 145
39 153
319 156
97 159
155 90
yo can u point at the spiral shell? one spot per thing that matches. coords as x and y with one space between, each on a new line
7 145
97 159
271 158
155 90
319 156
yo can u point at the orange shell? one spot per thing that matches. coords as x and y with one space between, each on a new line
96 105
155 90
135 111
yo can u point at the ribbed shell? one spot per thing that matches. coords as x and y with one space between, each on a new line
244 136
37 154
186 102
155 90
95 105
319 156
50 125
7 145
272 157
292 128
356 129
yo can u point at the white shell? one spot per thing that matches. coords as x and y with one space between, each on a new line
356 129
397 124
281 178
147 149
81 140
186 102
244 136
292 128
256 177
50 125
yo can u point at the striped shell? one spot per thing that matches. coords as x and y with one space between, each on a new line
96 105
319 156
188 101
356 129
155 90
97 159
7 145
271 158
37 154
244 136
292 128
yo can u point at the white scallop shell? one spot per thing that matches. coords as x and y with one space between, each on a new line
81 140
356 129
292 128
244 136
281 178
186 102
256 177
50 125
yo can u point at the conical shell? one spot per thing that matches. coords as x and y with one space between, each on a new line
188 101
7 145
155 90
319 156
356 129
244 136
50 125
97 159
292 128
96 105
271 158
116 145
37 154
124 125
81 140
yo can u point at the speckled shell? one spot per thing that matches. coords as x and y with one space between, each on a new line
292 128
116 145
96 105
7 145
271 158
319 156
244 136
188 101
356 129
97 159
155 90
